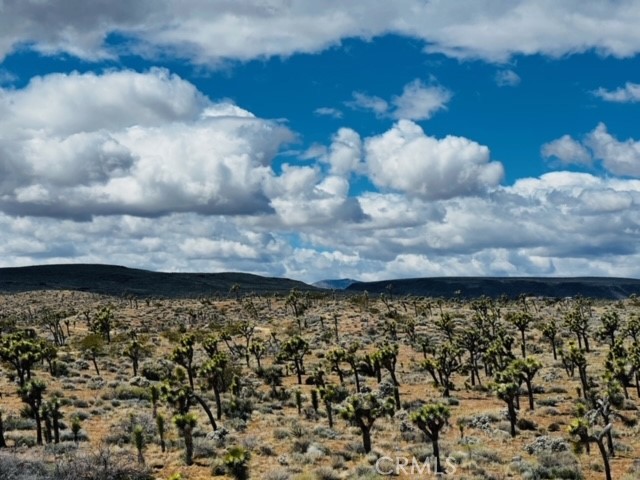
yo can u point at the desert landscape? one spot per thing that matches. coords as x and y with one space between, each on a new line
318 384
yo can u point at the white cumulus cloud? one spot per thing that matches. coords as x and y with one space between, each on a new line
127 142
406 159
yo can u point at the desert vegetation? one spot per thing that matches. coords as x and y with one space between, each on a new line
317 385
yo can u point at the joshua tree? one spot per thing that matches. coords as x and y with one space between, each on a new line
160 424
334 358
521 320
135 351
76 426
526 369
294 350
22 350
578 323
139 441
92 347
580 428
329 395
445 362
52 415
236 460
611 325
474 342
550 332
102 323
604 412
186 423
258 349
183 356
181 396
576 358
507 390
387 357
298 307
446 324
217 376
31 394
430 419
363 410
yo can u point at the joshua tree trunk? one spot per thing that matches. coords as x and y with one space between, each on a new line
2 442
605 460
366 438
207 410
512 418
436 451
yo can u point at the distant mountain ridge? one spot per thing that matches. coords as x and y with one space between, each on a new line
338 284
118 280
473 287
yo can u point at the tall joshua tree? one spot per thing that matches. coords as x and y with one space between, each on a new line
521 320
32 394
387 357
526 369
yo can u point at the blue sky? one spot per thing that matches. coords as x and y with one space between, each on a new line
314 140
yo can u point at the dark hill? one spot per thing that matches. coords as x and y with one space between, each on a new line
473 287
116 280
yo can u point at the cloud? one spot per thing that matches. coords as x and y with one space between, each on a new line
630 93
419 101
507 78
568 151
407 160
619 158
130 143
214 31
328 112
416 102
362 101
345 153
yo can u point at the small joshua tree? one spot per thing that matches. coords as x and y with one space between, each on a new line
139 441
363 410
160 424
186 423
430 419
550 332
236 461
330 394
76 426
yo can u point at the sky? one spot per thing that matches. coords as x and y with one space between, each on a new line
322 139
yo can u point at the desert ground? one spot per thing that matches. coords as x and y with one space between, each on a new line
83 347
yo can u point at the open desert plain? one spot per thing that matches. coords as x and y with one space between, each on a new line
318 384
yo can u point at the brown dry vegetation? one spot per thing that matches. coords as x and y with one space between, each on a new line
284 444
